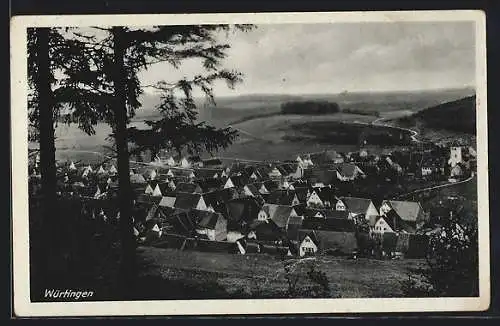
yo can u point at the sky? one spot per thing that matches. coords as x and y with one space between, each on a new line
336 57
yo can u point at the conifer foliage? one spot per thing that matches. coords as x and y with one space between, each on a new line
94 74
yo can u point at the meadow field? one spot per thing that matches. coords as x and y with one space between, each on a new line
175 274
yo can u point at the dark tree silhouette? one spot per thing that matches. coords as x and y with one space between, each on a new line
120 54
452 262
40 78
180 133
51 54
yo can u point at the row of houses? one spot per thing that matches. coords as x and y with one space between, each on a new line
294 202
239 210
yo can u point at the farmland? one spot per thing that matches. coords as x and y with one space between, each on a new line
267 134
281 137
174 274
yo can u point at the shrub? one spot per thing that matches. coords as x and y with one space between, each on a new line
321 285
452 263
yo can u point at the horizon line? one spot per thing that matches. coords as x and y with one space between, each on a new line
469 87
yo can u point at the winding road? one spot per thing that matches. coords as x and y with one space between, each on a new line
450 184
411 131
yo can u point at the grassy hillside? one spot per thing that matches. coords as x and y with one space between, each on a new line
457 116
174 274
233 109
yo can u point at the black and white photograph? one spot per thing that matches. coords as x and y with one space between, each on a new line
250 163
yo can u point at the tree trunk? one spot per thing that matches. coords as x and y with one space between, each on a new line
47 151
128 244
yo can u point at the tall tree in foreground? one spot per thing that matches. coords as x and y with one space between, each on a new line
120 82
57 66
40 78
124 53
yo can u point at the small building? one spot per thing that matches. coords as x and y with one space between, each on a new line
236 181
167 201
412 245
275 174
184 163
308 244
455 156
323 197
299 172
157 191
314 200
407 211
149 189
332 242
241 212
136 178
391 222
188 201
250 190
182 223
72 166
279 214
357 206
283 197
381 226
320 176
263 189
151 174
329 224
293 227
426 171
304 162
266 231
207 173
457 171
213 225
170 161
208 185
348 171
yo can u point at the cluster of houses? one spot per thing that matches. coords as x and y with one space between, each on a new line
292 207
462 159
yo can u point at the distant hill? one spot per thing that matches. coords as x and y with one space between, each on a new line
226 110
257 104
458 116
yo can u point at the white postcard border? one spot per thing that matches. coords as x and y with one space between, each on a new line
23 306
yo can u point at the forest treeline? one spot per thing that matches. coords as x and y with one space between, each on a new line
458 116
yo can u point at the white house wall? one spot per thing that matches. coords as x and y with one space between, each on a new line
307 243
202 206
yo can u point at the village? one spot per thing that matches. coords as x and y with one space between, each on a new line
325 203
